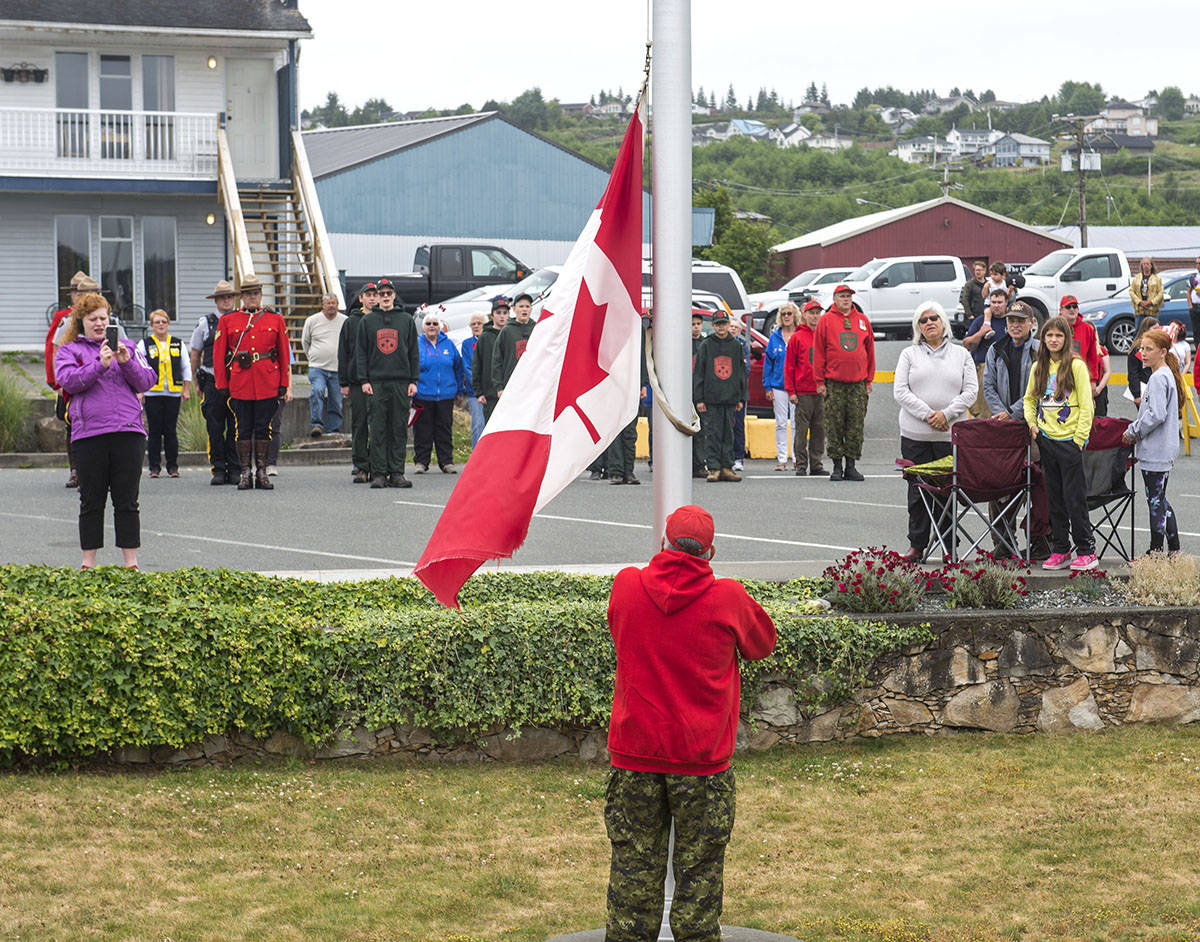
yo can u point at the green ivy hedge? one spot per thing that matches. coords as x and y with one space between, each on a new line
90 662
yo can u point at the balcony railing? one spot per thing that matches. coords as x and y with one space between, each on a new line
64 142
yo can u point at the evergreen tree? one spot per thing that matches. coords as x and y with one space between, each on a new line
761 104
701 99
825 94
712 100
730 99
812 96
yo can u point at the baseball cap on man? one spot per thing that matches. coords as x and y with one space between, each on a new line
690 529
840 288
1020 310
813 305
384 285
523 297
720 317
499 301
1068 300
369 286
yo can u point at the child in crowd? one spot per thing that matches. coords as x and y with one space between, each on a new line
1058 408
1179 344
996 281
1156 430
1136 370
171 362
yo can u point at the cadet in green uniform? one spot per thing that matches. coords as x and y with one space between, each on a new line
388 363
698 454
719 384
510 345
483 376
352 385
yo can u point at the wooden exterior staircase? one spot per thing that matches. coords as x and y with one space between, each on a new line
278 233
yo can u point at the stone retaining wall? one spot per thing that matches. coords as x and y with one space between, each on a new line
1050 671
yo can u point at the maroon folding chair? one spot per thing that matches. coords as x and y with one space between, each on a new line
1108 472
991 462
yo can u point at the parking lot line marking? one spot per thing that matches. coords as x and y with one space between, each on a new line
781 476
213 539
856 503
418 503
725 536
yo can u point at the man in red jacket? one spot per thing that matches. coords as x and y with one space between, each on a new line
678 632
843 367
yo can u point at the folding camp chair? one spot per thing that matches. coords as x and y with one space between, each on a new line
989 461
1108 472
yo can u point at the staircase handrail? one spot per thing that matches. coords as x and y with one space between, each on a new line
243 264
306 188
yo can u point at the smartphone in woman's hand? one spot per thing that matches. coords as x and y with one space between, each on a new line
112 337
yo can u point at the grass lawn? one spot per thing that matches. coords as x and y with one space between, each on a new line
950 838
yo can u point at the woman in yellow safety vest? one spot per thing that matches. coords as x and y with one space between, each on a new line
169 359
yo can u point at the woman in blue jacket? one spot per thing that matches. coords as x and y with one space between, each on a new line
442 380
772 379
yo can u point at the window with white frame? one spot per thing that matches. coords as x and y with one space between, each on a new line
73 250
158 264
116 261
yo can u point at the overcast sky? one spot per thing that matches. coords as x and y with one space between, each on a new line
418 54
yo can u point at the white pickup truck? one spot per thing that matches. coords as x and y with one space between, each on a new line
1089 274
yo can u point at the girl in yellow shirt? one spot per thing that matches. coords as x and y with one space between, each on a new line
1059 410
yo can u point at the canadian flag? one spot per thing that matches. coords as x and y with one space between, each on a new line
574 389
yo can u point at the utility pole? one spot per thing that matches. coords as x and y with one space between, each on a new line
1079 121
1149 161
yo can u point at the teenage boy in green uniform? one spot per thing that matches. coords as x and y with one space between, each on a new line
388 363
483 376
719 385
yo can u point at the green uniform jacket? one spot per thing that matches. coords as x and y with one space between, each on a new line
347 349
386 348
719 375
510 346
483 381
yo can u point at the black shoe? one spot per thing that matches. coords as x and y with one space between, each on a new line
852 473
396 479
632 479
232 477
73 480
596 476
379 482
616 481
818 471
836 473
359 476
218 478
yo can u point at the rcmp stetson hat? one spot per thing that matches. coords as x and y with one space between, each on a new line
222 289
251 283
75 279
87 284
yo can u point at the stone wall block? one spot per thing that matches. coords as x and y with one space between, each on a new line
214 745
360 742
594 747
993 705
913 676
1024 654
777 706
285 744
532 744
824 728
908 712
1070 707
1164 703
1164 653
1093 651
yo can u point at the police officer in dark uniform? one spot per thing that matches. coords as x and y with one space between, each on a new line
251 358
218 420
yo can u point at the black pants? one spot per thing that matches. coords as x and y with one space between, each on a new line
162 417
221 427
1100 402
718 421
432 429
109 464
1062 463
1194 312
621 451
275 437
359 455
253 418
918 518
387 414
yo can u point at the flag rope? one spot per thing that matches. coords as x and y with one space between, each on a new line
692 428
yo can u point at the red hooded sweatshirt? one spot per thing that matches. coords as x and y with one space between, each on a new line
844 348
678 632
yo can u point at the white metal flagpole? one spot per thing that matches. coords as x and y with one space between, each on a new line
671 215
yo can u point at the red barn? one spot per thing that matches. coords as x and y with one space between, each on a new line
942 226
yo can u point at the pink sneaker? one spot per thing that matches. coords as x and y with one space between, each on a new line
1085 562
1057 561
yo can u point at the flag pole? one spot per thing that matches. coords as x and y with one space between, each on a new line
671 232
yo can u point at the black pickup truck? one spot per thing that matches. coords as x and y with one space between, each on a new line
444 270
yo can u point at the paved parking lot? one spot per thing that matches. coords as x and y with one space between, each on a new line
772 525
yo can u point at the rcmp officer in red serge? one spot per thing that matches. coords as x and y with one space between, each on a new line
251 359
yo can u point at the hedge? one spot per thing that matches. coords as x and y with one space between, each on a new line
90 662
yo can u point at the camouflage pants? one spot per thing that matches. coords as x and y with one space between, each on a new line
637 814
845 416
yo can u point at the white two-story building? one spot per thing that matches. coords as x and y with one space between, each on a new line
147 144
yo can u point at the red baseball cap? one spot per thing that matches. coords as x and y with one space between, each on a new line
1067 299
692 523
813 305
840 288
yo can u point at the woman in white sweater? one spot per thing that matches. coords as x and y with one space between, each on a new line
935 384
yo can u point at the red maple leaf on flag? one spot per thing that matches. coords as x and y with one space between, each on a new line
581 369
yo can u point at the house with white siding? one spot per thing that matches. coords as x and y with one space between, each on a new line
1018 150
151 146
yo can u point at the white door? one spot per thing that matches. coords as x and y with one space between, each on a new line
251 118
894 300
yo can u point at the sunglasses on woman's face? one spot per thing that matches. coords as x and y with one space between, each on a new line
928 320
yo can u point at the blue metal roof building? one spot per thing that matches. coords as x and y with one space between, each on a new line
384 189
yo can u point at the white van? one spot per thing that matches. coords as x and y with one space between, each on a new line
889 289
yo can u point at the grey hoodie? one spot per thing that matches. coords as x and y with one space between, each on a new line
1156 428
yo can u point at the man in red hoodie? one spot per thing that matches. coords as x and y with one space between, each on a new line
844 366
678 632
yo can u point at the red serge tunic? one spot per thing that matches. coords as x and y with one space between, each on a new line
844 350
678 632
258 333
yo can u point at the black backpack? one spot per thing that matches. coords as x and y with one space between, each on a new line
206 357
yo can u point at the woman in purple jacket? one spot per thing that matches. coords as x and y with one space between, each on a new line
107 436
